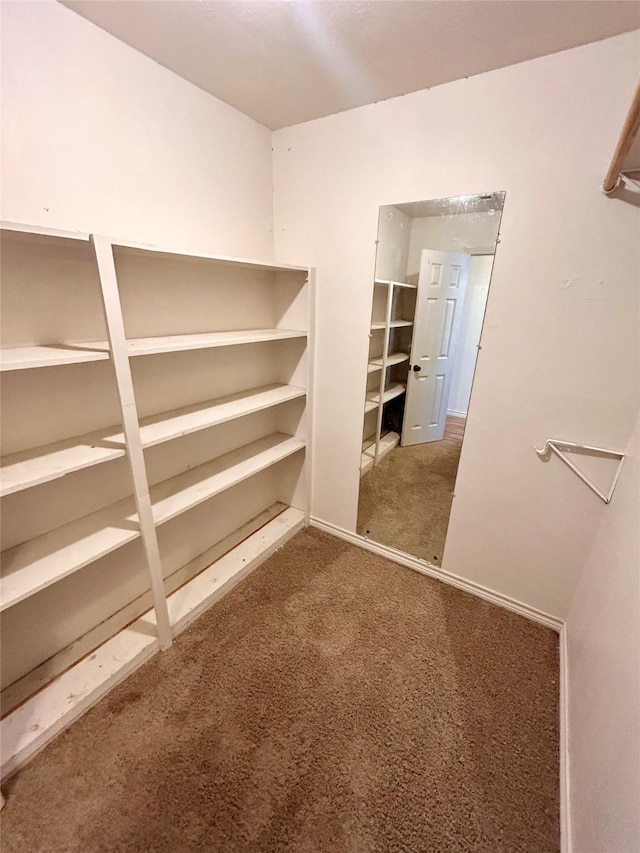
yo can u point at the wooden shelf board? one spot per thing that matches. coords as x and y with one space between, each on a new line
179 343
366 463
392 392
18 692
394 324
27 729
370 404
34 565
227 260
187 490
190 601
40 562
42 464
387 442
170 425
42 231
396 283
389 394
50 355
392 358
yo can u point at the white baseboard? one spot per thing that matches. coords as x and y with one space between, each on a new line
565 769
508 603
426 568
453 414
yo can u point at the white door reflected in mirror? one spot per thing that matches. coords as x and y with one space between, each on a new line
434 262
441 290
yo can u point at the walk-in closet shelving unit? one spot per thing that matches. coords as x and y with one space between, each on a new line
155 433
389 349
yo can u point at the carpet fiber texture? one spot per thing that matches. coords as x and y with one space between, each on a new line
333 702
405 501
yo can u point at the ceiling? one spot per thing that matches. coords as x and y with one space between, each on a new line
286 62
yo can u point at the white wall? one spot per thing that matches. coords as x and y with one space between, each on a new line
464 365
560 343
603 630
97 137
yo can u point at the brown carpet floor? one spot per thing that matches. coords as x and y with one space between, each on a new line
332 703
405 501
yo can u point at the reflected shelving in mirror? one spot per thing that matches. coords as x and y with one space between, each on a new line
434 261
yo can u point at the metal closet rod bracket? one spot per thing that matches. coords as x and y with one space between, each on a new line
555 445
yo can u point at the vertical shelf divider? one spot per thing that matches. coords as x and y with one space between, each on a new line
131 426
383 372
311 360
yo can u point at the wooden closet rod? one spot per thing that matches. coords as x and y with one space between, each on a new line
629 133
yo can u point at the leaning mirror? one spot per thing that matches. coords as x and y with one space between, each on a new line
433 268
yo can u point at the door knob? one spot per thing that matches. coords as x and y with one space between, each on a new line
416 368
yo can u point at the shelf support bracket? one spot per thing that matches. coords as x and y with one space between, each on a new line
131 427
561 448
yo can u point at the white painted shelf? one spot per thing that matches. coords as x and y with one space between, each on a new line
42 464
387 442
396 283
393 300
178 343
193 487
169 425
73 657
128 247
34 565
390 393
50 355
393 358
394 324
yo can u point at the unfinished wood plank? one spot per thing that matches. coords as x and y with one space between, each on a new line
31 726
26 730
191 600
16 693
